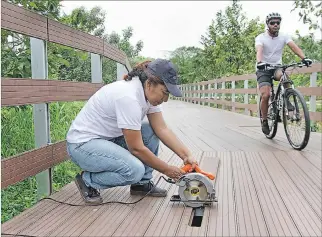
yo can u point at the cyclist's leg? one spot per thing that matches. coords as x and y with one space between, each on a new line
264 80
277 77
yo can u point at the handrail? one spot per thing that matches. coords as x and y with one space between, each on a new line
26 22
196 92
23 91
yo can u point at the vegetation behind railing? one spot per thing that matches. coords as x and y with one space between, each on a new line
36 114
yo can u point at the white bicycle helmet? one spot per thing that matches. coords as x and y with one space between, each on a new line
273 15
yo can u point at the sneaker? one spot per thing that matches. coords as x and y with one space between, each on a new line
89 194
265 127
142 189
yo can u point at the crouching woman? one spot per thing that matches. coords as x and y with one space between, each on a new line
110 142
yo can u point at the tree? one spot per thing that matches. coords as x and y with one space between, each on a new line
185 59
309 10
229 42
64 63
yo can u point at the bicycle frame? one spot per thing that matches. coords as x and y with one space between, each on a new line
278 97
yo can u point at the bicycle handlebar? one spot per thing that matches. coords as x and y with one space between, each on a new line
285 66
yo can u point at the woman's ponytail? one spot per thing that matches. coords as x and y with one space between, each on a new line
138 71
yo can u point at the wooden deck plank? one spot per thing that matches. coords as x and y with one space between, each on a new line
307 167
37 212
272 145
138 221
309 189
264 187
314 158
226 224
251 222
313 145
109 222
210 163
277 218
87 215
303 216
55 218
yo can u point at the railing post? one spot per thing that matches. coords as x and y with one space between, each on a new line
216 94
195 95
223 95
120 71
39 70
313 78
200 94
204 94
233 109
96 68
246 96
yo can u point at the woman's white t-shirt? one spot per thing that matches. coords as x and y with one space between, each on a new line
118 105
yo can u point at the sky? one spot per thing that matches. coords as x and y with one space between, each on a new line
164 26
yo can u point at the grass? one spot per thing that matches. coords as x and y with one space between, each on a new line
17 131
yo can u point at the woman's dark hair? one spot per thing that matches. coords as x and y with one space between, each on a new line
141 71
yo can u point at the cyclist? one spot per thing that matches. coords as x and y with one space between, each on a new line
269 48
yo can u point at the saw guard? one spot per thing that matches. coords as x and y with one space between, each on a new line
188 167
189 183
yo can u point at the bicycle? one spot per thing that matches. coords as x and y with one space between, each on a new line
280 102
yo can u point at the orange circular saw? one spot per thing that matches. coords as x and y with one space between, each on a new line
196 188
188 168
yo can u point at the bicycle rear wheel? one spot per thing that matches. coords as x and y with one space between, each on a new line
271 118
296 119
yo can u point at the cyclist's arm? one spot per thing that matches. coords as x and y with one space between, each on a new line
296 49
259 53
259 48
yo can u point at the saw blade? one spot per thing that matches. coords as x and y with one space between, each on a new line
195 191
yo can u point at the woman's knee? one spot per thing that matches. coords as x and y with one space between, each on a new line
135 173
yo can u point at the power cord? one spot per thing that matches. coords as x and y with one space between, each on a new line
110 202
104 203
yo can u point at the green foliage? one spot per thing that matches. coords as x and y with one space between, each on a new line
18 136
229 47
308 10
124 42
16 130
64 63
50 8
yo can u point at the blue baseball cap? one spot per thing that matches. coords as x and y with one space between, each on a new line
165 70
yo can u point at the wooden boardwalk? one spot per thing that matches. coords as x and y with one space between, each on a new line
264 187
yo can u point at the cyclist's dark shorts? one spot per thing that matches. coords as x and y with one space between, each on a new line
265 77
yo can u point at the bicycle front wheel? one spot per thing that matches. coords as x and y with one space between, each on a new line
296 119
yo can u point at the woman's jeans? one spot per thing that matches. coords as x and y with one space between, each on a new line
108 163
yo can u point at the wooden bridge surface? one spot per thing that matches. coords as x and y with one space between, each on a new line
264 187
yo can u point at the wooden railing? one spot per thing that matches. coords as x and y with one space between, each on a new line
206 92
38 91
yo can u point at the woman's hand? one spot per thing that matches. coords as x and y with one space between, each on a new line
174 172
190 160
